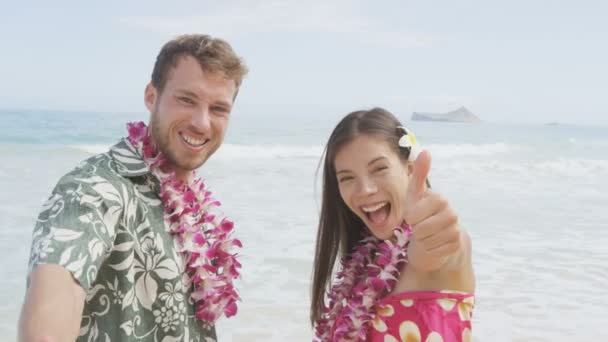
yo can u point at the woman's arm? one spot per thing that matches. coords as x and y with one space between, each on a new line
439 252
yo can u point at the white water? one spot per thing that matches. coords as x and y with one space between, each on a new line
536 211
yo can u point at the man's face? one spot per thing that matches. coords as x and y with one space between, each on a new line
189 117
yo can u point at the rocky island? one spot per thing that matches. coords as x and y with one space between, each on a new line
459 115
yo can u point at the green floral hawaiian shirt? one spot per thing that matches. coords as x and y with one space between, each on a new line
104 223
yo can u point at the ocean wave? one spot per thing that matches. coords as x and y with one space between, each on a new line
551 168
474 150
236 151
573 167
442 151
279 151
282 151
91 148
481 154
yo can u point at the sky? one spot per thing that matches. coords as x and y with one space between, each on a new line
506 61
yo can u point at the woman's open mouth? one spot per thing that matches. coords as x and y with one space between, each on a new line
378 213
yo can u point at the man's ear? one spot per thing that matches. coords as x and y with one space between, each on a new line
150 97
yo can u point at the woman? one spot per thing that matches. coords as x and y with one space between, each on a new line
406 271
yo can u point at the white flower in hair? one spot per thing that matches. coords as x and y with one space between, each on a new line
408 140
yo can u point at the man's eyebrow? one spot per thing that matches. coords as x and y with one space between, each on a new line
187 93
223 103
193 95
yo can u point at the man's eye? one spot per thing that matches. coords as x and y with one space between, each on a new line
186 100
220 109
380 168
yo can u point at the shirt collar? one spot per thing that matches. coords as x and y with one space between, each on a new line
129 163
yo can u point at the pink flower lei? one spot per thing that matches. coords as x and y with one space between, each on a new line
369 272
205 239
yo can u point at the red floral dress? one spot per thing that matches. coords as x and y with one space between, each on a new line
424 316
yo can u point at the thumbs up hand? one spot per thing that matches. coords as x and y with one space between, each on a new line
436 234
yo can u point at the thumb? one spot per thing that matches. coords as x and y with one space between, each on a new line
417 184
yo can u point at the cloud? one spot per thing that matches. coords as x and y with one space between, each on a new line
312 16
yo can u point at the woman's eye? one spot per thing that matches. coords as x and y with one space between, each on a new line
344 179
381 168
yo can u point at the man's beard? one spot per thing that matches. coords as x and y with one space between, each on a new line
162 143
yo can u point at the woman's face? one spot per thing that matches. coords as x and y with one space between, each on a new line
373 183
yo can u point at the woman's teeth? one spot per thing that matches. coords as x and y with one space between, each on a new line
374 208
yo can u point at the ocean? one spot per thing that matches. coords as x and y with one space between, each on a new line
534 199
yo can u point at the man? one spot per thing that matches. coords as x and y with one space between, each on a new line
127 248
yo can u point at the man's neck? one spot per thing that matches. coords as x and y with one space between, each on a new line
185 176
182 175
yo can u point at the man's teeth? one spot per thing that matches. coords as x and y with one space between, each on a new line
193 141
374 208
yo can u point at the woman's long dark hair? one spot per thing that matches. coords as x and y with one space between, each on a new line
339 228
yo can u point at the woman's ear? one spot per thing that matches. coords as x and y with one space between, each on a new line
410 168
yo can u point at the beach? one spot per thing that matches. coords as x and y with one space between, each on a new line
532 197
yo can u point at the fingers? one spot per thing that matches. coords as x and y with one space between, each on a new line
434 224
429 205
417 182
447 235
445 250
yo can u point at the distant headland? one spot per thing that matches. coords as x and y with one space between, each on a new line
459 115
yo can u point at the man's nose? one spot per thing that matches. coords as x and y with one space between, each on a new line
201 119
